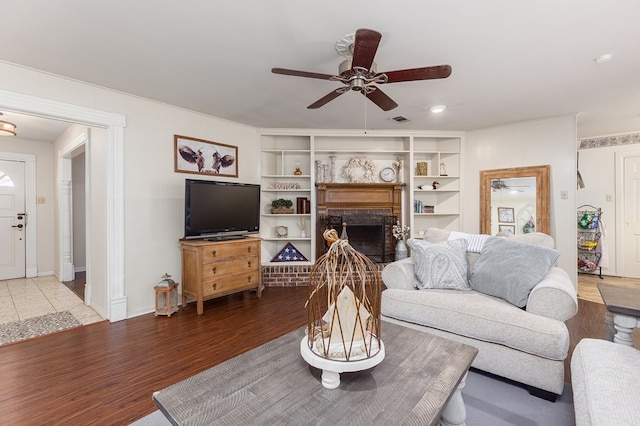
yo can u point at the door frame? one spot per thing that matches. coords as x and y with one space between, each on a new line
65 210
114 197
620 158
29 160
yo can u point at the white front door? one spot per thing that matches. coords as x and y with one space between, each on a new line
12 220
631 227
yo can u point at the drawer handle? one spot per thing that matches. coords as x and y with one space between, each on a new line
249 263
214 269
248 249
249 279
214 286
214 252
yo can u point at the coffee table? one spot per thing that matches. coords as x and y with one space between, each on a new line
418 382
623 312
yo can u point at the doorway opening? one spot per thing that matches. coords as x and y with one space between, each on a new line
112 280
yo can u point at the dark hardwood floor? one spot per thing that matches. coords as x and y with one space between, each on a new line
104 374
78 283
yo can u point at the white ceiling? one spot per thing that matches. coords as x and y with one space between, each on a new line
512 60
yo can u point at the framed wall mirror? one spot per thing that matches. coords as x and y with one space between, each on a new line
515 200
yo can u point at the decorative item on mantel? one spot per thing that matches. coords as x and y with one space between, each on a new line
332 158
319 177
343 329
400 169
359 170
166 296
400 232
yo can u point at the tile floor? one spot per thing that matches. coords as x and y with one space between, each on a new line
23 298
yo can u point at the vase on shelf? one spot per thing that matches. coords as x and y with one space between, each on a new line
401 250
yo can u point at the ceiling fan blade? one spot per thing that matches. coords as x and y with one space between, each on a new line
365 47
425 73
326 99
296 73
379 98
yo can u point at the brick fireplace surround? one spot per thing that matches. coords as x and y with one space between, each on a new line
339 199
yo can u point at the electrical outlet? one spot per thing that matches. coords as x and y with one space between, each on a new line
564 194
41 200
609 197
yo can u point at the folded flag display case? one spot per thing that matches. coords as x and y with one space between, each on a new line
289 254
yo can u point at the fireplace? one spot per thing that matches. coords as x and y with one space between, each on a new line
368 210
370 234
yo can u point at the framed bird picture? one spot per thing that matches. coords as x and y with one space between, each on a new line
192 155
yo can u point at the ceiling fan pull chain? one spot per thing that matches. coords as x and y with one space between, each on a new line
365 112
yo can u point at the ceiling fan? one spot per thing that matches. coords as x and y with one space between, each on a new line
359 72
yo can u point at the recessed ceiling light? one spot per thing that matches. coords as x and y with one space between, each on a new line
603 58
437 109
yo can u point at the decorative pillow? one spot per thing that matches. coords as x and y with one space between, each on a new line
435 235
475 241
441 265
509 269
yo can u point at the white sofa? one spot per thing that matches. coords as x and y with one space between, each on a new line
605 378
527 345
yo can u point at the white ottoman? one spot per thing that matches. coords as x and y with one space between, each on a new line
605 378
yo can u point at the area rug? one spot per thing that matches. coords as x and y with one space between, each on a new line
489 400
37 326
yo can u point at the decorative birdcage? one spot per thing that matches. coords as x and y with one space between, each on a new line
343 329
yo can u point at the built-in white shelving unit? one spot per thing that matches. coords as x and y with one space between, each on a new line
315 152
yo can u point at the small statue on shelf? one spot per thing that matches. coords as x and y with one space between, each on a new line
399 169
435 184
297 171
443 170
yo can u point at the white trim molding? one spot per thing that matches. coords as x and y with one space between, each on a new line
114 123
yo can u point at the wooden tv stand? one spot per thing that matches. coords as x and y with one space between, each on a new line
213 269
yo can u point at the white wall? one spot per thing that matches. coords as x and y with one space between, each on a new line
154 193
44 188
598 169
534 143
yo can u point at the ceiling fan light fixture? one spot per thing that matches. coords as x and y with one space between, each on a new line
437 109
7 128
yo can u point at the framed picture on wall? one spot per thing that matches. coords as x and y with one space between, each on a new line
507 229
505 214
192 155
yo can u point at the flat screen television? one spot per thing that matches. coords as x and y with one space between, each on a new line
220 210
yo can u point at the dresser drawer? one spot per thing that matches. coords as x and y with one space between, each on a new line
230 283
236 266
230 250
